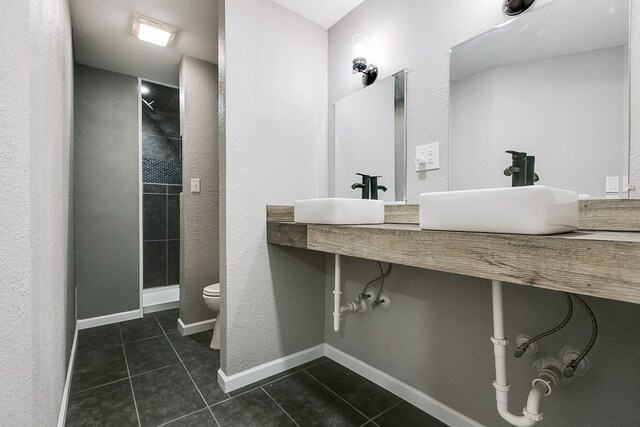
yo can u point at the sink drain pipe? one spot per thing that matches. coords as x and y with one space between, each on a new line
336 294
547 378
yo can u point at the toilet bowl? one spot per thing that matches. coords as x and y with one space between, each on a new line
211 295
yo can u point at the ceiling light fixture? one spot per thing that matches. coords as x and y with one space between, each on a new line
144 90
153 31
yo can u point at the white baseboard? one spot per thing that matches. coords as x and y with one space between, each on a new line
250 376
160 307
108 319
412 395
194 328
160 298
62 416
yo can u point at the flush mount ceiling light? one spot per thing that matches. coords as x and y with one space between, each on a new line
360 51
152 31
516 7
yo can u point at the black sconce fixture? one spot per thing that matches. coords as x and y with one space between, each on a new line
516 7
359 47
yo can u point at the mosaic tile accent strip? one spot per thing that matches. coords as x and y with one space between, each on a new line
162 171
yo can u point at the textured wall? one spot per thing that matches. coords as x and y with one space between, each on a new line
35 144
634 83
199 248
222 173
106 192
435 336
274 152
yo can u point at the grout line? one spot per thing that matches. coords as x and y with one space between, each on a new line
161 136
183 416
154 370
142 339
98 349
340 397
133 393
206 405
260 386
281 408
273 381
166 244
225 400
101 385
386 410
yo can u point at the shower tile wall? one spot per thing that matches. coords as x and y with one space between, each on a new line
162 185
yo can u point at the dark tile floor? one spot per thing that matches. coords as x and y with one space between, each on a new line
143 373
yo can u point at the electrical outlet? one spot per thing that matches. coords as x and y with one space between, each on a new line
427 157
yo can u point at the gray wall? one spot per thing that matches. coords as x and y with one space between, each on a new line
36 255
273 151
435 336
199 244
106 192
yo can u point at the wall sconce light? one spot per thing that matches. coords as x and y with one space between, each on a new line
516 7
359 51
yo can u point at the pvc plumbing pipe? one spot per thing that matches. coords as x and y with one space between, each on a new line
531 414
336 295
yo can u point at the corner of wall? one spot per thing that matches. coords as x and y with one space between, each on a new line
199 211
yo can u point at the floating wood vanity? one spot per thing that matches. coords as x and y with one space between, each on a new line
602 259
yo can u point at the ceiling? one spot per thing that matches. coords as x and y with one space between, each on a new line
324 13
102 32
102 35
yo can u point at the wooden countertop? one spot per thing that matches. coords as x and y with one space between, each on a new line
604 264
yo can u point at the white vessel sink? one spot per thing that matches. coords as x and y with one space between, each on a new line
339 211
534 209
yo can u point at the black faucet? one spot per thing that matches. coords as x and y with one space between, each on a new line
369 186
522 169
366 183
375 187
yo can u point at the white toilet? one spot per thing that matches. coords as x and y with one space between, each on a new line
211 295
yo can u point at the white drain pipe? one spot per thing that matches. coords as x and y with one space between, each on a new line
541 386
336 295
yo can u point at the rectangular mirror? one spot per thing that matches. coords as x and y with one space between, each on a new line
370 138
553 83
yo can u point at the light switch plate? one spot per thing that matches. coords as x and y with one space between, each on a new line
195 185
427 157
612 184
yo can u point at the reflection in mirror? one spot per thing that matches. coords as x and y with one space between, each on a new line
553 83
370 138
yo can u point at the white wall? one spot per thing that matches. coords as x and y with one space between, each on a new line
35 143
199 243
364 139
274 94
577 142
416 35
436 335
634 83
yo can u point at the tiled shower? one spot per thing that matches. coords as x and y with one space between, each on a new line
162 184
